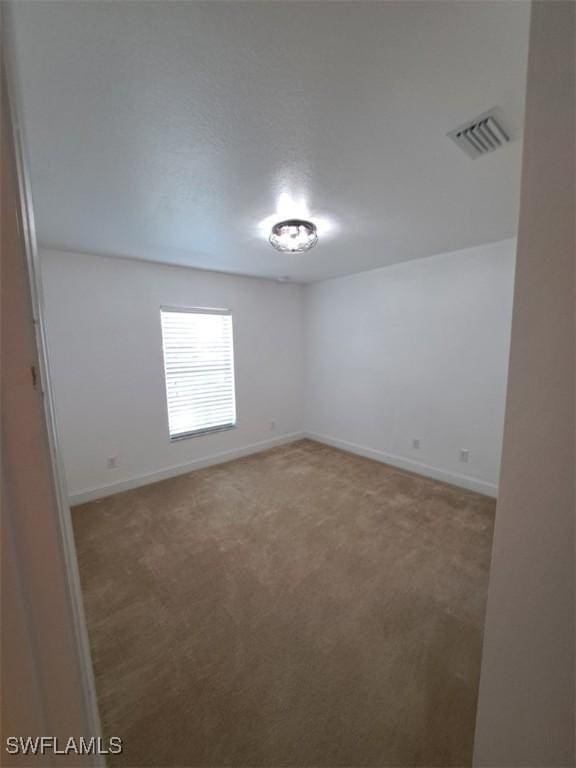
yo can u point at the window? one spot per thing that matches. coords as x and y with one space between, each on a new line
199 370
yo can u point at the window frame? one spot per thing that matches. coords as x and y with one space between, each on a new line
205 430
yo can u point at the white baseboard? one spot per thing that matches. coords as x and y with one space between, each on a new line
91 494
462 481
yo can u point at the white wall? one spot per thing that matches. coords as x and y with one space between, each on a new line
526 705
415 350
103 321
366 362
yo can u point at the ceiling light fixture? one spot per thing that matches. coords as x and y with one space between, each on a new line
294 235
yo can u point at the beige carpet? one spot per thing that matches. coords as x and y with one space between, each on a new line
299 607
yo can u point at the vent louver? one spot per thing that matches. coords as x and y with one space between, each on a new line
482 135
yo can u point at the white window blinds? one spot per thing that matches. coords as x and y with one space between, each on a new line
199 370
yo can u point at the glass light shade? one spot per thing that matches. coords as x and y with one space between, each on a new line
293 235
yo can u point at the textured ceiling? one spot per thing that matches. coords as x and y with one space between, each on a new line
177 131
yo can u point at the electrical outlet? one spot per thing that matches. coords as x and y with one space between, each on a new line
416 443
464 455
112 462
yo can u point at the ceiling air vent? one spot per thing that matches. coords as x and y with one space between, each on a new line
482 135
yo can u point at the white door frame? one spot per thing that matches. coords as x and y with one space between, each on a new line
63 522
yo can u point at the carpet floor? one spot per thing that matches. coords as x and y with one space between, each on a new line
299 607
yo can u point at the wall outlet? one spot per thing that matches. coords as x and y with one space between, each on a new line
112 462
464 455
416 443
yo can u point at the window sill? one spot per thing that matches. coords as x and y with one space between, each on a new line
202 432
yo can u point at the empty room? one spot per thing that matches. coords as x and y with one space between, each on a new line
297 392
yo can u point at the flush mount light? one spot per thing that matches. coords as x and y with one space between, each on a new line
293 235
